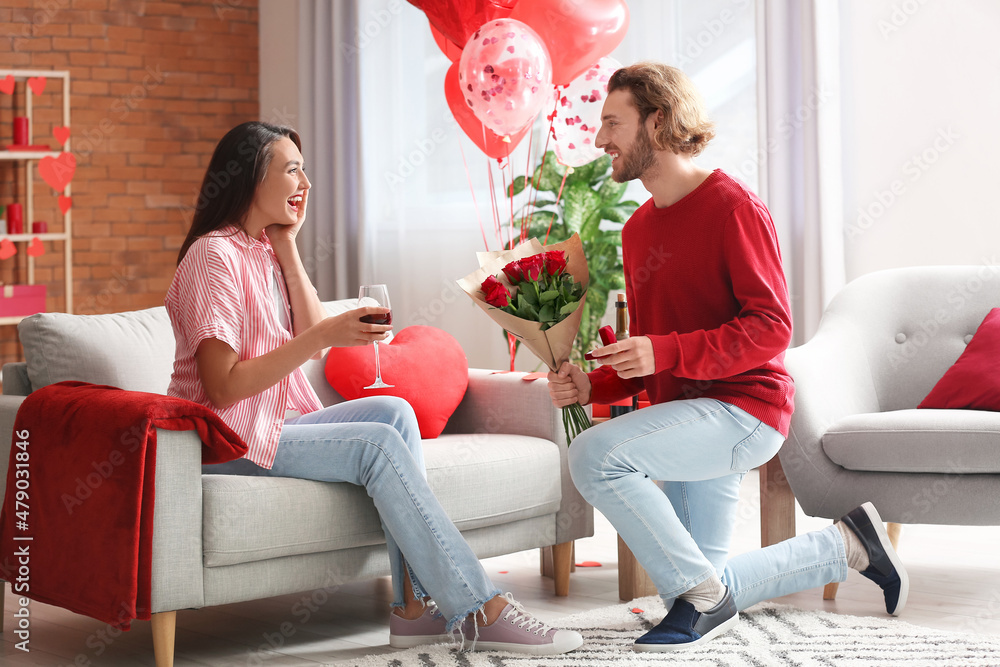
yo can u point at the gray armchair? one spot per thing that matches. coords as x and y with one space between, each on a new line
856 434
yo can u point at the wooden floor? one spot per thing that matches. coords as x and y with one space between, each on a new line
954 573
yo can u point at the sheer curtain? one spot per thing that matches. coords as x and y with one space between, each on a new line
801 179
329 123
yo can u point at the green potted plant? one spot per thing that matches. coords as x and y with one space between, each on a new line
589 197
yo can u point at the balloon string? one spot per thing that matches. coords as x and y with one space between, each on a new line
512 349
545 154
493 204
524 210
468 177
558 197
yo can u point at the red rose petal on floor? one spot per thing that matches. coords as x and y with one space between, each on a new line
503 571
636 610
589 563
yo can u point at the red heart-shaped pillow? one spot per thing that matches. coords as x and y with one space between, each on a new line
426 365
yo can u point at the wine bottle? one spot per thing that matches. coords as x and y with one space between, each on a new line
621 333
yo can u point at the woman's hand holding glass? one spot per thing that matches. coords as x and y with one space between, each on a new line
348 329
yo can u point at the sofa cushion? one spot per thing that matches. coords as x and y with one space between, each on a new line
424 365
133 351
917 441
480 479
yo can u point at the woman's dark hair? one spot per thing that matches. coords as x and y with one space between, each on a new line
238 165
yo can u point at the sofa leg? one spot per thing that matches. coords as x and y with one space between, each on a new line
830 591
777 504
164 626
562 561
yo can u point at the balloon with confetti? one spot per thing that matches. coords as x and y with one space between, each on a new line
505 75
578 114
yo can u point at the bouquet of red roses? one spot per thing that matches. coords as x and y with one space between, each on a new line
537 293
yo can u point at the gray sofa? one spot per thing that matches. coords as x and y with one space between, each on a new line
856 435
221 539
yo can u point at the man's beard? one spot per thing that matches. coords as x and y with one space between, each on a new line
639 159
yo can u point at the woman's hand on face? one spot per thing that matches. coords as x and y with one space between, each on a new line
347 329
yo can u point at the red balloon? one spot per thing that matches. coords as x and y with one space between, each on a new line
577 33
447 47
458 19
485 138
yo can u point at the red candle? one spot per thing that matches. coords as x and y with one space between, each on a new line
15 219
39 227
20 131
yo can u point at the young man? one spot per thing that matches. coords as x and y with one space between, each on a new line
709 324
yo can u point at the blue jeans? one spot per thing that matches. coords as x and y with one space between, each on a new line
374 442
680 528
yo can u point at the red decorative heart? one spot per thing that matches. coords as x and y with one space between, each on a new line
35 248
7 84
426 365
61 134
7 249
65 203
37 84
57 171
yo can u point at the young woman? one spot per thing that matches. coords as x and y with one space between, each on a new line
246 317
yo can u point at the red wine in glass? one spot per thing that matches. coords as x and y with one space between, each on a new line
375 295
384 320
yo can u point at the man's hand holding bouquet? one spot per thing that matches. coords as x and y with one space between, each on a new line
537 293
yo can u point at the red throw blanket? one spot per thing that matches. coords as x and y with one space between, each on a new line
76 528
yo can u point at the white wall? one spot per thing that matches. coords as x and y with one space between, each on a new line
921 117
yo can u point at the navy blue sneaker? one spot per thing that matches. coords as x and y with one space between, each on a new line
885 568
685 627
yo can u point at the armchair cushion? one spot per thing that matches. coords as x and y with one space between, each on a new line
952 442
973 382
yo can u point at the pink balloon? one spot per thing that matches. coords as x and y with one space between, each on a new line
578 114
506 75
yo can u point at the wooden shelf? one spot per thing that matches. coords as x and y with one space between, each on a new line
26 159
27 155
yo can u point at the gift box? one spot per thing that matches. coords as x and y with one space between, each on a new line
20 300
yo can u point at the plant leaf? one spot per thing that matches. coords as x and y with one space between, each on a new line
610 191
579 201
517 186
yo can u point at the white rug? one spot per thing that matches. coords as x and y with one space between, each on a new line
768 635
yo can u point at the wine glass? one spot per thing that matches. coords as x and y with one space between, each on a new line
375 295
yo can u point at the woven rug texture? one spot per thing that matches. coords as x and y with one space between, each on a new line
768 635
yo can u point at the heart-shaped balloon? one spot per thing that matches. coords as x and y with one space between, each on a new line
426 365
577 33
578 114
57 171
65 203
7 84
35 248
505 75
448 47
486 139
456 20
7 248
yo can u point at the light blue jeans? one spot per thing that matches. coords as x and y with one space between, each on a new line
680 528
374 442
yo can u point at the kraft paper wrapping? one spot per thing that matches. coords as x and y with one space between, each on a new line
552 346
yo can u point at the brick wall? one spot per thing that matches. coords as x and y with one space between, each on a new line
154 85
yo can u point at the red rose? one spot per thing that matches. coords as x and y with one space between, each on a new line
496 292
513 272
532 266
555 262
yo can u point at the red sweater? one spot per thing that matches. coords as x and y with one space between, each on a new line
704 283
